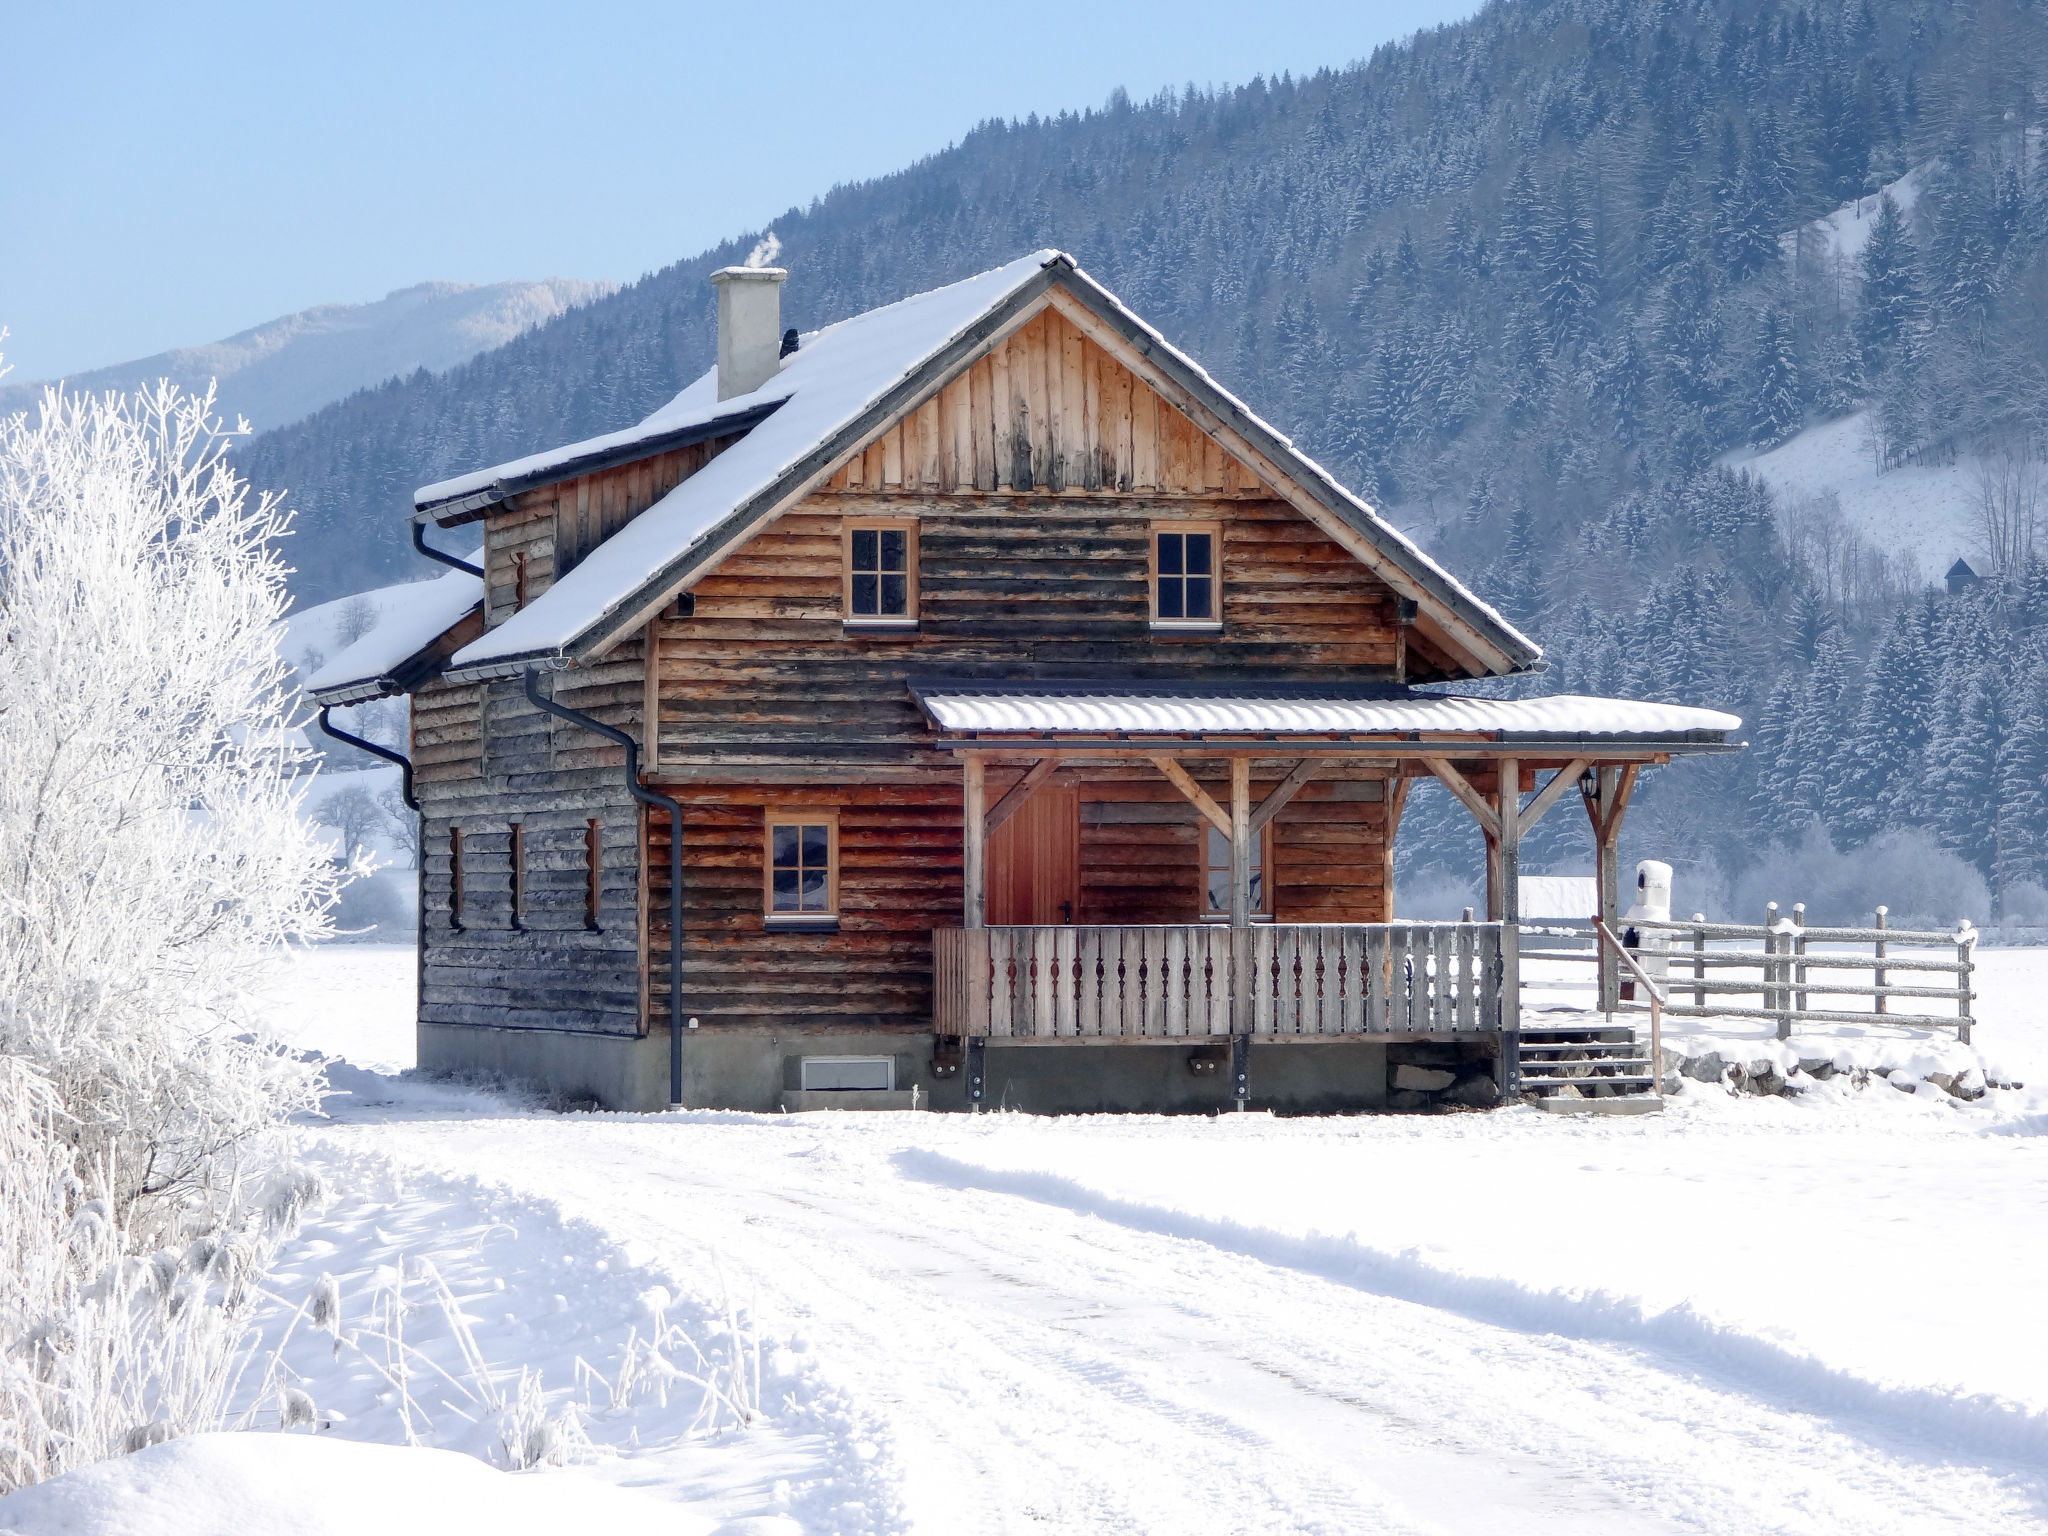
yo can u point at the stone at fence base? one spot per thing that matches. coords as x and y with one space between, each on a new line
1969 1084
1413 1079
1945 1081
1705 1069
1672 1082
1821 1067
1904 1081
1408 1098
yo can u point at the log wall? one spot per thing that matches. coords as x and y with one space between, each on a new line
548 969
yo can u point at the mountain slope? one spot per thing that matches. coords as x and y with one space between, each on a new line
287 368
1523 282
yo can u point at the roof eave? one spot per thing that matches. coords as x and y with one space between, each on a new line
468 506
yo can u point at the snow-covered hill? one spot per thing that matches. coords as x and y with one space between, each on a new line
1925 514
1928 514
287 368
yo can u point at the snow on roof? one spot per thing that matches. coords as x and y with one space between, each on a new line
822 392
428 611
833 376
1093 710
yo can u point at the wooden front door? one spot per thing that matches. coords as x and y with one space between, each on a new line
1034 860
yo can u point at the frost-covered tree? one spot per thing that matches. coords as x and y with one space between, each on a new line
154 857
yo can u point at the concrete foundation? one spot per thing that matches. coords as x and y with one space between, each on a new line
761 1070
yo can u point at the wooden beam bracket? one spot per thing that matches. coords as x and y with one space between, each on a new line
1013 800
1284 791
1473 801
1181 780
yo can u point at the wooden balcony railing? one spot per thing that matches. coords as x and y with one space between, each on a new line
1168 982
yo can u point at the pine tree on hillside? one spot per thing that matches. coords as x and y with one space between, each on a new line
1888 297
1522 220
1885 746
1962 787
2020 832
1568 278
1771 767
1814 749
1775 412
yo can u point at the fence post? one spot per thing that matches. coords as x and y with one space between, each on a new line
1966 943
1799 964
1877 979
1699 961
1770 958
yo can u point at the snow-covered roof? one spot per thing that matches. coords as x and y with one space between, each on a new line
425 612
843 384
1097 711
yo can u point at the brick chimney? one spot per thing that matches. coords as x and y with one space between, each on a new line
749 327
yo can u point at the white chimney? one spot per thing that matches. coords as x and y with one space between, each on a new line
749 327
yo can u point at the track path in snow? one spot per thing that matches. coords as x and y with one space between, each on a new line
1038 1368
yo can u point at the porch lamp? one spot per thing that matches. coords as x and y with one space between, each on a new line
1589 784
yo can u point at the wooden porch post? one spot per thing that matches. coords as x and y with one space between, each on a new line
1240 921
1509 860
1616 785
973 855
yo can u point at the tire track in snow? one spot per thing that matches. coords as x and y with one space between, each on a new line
1038 1367
1951 1423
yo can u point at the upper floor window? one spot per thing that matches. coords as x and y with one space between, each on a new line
1185 590
803 867
881 572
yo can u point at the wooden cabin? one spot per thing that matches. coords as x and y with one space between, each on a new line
974 674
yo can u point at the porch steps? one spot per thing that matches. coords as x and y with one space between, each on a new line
1570 1067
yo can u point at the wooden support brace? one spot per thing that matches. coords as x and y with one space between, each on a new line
1181 780
1013 801
1566 777
1473 801
1284 791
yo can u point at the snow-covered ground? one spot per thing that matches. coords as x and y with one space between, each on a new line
1816 1314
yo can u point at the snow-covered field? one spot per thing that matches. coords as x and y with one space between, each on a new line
1929 513
1816 1314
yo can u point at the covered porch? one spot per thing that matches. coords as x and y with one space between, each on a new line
1260 966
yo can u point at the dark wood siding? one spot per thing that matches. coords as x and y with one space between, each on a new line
553 972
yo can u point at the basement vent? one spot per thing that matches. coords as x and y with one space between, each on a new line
849 1074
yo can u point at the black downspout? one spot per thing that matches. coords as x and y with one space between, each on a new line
419 863
419 542
647 797
389 756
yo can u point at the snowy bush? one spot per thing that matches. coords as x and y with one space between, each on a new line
153 859
1923 884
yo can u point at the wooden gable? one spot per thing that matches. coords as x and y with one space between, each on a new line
1048 410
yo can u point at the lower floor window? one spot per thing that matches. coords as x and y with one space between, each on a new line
803 864
1216 874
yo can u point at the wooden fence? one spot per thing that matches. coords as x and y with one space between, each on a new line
1786 976
1179 981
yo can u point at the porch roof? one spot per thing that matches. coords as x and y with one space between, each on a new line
1099 714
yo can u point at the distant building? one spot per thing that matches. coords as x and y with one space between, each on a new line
1960 577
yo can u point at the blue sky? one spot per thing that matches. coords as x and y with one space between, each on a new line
175 175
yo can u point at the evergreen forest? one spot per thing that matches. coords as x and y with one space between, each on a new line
1523 282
